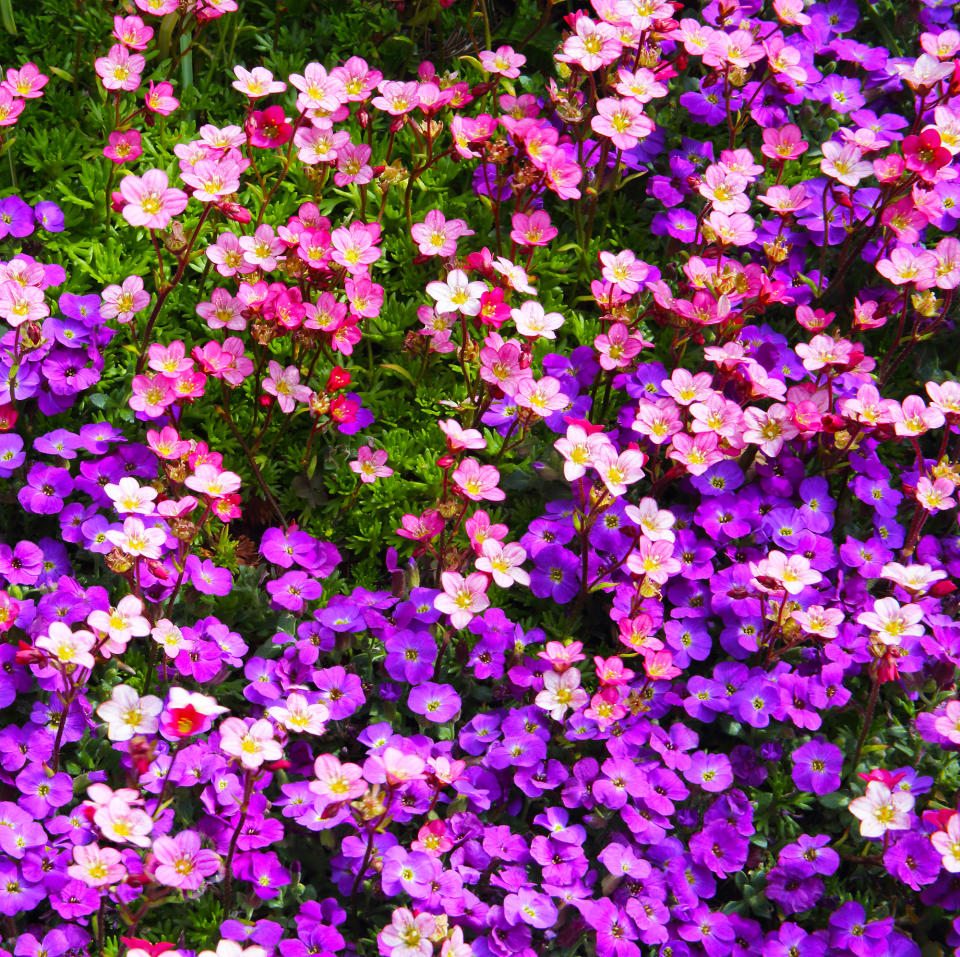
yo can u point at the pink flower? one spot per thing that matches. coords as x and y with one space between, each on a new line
27 82
336 782
478 482
541 396
617 471
504 60
533 322
396 97
263 249
68 647
136 540
353 166
284 383
182 862
132 32
256 82
503 562
624 269
354 246
209 480
227 255
462 598
909 264
150 200
124 301
370 465
96 866
408 935
250 741
935 496
592 46
623 121
318 91
459 438
160 99
946 841
437 236
20 304
891 621
10 107
457 293
119 69
422 527
533 229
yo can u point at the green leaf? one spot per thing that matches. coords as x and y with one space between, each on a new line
399 370
6 17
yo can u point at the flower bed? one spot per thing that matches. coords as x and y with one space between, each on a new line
506 510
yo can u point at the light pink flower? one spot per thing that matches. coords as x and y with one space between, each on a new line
503 562
68 647
150 200
462 598
457 293
336 782
504 60
250 741
123 302
136 540
127 713
947 841
478 482
256 83
437 235
96 866
561 692
284 383
891 621
881 810
119 69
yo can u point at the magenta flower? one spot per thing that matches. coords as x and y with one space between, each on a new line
123 147
435 702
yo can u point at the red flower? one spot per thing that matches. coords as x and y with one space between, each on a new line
269 127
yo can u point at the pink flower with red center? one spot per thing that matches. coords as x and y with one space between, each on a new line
187 713
150 200
462 598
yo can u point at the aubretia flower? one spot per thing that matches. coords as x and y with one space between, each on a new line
435 702
817 766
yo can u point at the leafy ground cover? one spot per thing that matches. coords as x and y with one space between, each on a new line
479 479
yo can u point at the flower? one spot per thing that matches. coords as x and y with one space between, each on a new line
127 713
150 201
462 598
370 465
881 810
182 862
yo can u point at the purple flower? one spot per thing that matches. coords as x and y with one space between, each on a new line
50 217
410 656
712 772
21 565
45 490
556 575
817 766
720 848
537 910
12 453
292 589
793 889
207 577
341 692
40 793
16 218
812 853
791 940
264 872
436 702
850 930
913 860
